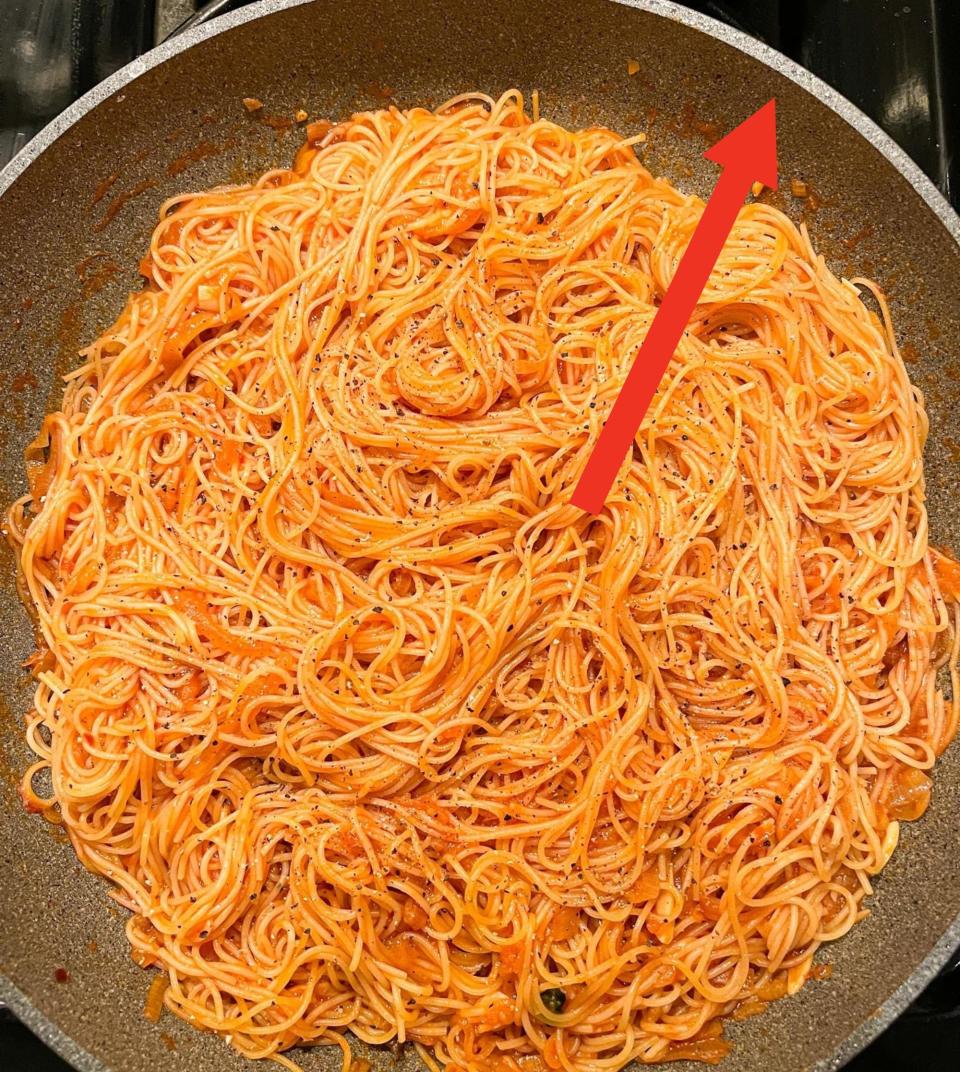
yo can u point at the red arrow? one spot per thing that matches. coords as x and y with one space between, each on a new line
747 153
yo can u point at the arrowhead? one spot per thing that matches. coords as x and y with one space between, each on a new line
751 148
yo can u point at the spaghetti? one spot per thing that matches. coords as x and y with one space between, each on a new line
366 724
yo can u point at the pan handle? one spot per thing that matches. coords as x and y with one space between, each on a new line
203 14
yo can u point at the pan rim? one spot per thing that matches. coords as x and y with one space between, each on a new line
32 1017
737 39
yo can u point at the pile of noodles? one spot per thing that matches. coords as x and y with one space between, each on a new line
366 724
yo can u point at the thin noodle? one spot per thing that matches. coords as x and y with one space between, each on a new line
367 725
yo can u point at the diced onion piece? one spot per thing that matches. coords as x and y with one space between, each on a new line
208 298
797 975
890 839
153 1006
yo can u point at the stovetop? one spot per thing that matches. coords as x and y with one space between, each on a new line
890 58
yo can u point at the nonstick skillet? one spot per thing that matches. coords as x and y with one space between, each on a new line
76 209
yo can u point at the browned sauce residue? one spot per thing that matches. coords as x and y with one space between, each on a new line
10 771
280 123
23 381
933 327
909 353
167 1041
855 239
92 946
101 191
377 89
96 271
751 1006
953 447
68 336
55 829
121 199
240 174
191 156
689 124
84 265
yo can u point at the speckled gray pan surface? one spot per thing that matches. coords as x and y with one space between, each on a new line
174 121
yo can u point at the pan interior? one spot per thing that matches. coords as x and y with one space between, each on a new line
73 228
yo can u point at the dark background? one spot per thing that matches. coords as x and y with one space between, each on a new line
895 60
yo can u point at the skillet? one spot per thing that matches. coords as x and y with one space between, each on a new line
76 209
